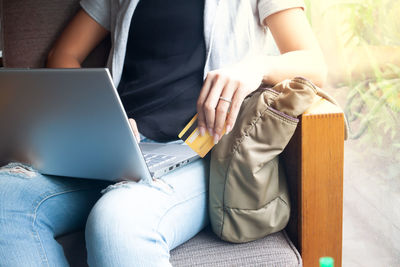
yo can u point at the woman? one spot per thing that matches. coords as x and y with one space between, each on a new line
169 59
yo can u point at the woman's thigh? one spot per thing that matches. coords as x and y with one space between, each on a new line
135 224
34 208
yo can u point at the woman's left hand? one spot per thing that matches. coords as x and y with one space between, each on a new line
222 95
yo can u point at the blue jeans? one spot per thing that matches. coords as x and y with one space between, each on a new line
131 224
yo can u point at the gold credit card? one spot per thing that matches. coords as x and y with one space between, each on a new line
191 135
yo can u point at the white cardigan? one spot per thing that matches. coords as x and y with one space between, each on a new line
232 28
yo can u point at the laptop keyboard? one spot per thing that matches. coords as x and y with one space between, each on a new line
154 160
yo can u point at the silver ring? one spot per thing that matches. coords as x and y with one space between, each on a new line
225 99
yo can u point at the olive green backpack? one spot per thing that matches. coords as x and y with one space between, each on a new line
248 196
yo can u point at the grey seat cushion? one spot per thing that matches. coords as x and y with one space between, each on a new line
206 249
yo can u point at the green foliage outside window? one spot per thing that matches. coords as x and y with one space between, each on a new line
371 29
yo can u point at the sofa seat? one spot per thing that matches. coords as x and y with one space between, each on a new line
205 249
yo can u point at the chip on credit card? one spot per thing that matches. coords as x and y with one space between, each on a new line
191 136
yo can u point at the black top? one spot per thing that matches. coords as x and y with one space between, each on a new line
163 69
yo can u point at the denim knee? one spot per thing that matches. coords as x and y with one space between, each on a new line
112 218
121 230
33 209
18 242
15 191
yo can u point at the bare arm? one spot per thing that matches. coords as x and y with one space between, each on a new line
78 39
300 56
300 51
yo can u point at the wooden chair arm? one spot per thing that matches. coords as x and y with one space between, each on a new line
313 161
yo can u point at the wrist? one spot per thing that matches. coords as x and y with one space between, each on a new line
260 66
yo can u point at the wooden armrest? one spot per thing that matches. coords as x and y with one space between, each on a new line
313 161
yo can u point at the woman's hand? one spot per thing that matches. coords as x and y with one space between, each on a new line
135 129
224 89
222 95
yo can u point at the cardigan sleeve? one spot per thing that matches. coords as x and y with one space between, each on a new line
269 7
99 10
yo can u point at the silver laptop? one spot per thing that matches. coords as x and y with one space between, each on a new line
71 122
